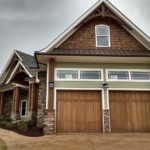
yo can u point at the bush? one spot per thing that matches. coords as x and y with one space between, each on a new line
22 126
9 125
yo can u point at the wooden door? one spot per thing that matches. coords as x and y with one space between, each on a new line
79 111
130 111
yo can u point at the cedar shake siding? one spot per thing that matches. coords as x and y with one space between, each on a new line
84 37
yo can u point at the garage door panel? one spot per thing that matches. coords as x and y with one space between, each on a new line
79 111
130 111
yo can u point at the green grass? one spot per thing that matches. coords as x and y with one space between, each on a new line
2 145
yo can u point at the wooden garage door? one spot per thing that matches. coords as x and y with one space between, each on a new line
130 111
79 111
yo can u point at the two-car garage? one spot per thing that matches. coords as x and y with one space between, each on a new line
81 111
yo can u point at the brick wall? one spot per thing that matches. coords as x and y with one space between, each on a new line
84 37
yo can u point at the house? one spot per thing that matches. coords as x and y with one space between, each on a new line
93 78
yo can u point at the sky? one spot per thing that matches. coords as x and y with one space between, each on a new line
30 25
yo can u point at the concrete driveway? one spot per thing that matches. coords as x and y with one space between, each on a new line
15 141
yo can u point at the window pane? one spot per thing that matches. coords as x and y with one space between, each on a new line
67 74
118 75
90 74
23 111
101 30
102 41
137 75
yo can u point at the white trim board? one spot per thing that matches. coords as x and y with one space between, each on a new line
21 108
128 89
47 85
136 32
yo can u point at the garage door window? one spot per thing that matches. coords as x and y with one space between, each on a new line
118 75
90 74
139 75
78 74
67 74
133 75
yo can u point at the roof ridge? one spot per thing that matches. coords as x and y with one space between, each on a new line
23 53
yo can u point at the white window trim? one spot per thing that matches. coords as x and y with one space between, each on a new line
21 108
129 71
109 43
78 70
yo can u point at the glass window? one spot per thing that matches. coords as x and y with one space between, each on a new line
140 75
23 108
102 36
90 74
118 75
67 74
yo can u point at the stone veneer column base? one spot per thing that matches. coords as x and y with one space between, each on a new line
49 123
106 116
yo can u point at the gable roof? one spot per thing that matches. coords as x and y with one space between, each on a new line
135 32
25 60
28 62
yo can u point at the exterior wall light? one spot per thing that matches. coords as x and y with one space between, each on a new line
51 84
105 85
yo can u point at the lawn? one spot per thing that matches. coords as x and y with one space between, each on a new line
2 145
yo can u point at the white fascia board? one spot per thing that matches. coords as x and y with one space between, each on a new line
17 55
25 69
9 61
18 64
69 31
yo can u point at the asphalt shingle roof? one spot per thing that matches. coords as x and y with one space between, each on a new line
28 61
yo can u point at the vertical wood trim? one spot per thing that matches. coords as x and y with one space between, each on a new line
17 99
33 98
51 79
29 98
13 101
1 103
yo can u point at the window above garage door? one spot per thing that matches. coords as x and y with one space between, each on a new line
133 75
73 74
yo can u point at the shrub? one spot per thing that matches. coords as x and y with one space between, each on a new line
22 126
9 125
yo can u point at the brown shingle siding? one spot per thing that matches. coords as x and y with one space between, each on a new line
84 37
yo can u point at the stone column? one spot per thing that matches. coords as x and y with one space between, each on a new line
49 118
41 104
1 104
15 104
106 112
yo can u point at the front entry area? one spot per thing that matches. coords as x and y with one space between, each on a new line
78 111
130 111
